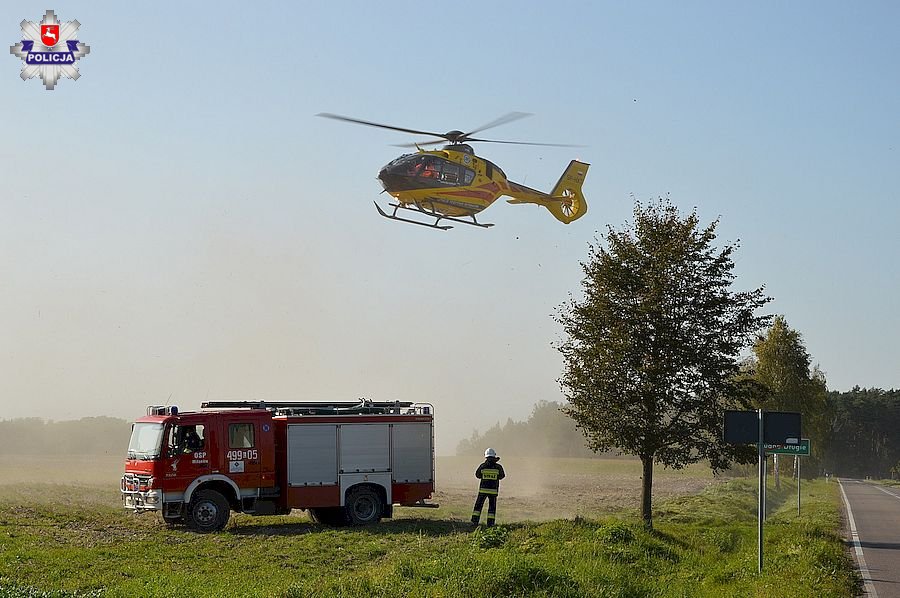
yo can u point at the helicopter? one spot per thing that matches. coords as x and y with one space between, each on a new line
452 184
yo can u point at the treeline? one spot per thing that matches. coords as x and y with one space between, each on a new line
548 432
862 436
86 436
864 439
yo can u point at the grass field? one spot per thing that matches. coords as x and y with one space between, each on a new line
569 528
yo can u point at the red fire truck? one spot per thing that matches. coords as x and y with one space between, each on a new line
346 463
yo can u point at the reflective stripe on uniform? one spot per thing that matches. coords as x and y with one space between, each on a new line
486 491
490 474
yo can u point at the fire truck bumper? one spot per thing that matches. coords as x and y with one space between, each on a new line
136 499
151 500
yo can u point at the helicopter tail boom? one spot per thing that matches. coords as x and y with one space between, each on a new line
566 201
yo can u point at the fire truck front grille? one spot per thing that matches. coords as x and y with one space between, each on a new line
137 494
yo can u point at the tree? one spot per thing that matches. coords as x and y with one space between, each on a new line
650 358
782 367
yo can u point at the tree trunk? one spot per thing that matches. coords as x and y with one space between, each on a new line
647 491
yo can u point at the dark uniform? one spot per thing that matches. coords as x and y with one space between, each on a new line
490 473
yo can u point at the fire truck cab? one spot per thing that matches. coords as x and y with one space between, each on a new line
346 463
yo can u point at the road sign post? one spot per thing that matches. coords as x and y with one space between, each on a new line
798 450
770 431
761 508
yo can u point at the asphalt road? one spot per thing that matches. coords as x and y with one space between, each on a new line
872 512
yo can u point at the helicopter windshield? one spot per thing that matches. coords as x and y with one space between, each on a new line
392 165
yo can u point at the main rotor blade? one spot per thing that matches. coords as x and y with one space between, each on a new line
379 125
500 121
525 143
420 144
426 143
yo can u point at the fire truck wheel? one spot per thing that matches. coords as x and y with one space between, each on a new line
208 511
363 506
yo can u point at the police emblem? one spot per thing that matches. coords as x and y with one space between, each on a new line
37 50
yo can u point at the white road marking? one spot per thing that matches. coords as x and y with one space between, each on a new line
888 492
854 539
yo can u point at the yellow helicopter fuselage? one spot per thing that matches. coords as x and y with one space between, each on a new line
455 182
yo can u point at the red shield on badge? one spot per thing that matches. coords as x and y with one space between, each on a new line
49 35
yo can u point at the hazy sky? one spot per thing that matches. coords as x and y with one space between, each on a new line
178 226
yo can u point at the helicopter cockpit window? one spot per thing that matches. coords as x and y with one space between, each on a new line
404 159
413 167
427 167
439 169
430 168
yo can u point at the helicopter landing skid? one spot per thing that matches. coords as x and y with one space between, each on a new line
436 216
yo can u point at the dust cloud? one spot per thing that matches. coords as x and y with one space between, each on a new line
223 315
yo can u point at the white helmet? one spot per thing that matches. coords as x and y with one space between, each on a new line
490 453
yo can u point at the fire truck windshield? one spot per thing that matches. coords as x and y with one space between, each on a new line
146 440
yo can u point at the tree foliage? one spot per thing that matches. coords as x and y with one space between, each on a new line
781 365
651 354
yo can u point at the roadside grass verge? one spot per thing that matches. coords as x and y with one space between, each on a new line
702 545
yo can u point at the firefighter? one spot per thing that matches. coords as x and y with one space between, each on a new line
490 473
191 440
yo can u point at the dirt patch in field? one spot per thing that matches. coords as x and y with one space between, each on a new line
65 470
541 489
